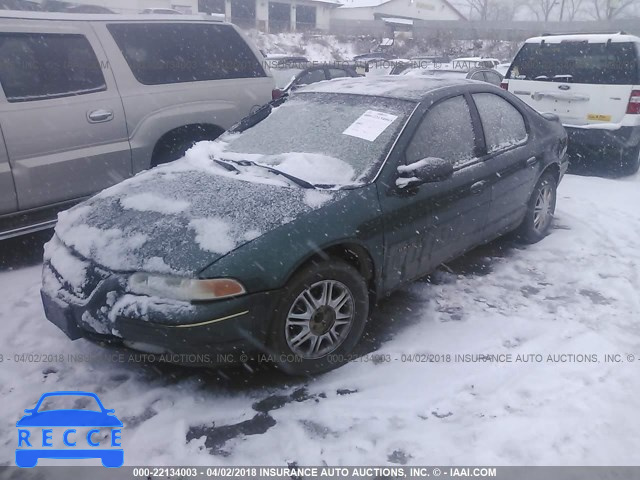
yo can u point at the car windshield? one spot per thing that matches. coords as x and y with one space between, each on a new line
577 62
322 138
69 402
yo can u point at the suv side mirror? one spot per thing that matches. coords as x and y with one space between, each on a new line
427 170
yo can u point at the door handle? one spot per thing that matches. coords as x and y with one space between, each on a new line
101 115
532 161
478 187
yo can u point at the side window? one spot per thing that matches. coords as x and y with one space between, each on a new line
493 78
312 76
337 73
44 66
478 76
446 132
162 53
503 124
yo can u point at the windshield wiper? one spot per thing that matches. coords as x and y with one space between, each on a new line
226 165
298 181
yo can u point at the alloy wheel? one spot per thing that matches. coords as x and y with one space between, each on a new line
320 319
544 208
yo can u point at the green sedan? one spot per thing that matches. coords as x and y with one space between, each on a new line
276 240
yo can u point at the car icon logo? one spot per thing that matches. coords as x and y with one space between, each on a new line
31 447
564 87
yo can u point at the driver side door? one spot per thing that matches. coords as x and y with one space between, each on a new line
431 223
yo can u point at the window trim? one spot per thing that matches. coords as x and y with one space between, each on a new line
476 131
56 96
485 154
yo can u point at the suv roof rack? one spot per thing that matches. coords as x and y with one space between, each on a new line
619 32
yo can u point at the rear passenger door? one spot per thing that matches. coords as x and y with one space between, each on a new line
60 112
8 201
513 158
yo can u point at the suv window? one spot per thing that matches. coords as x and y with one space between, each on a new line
162 53
502 122
577 62
44 66
445 132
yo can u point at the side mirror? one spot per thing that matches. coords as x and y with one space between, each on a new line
427 170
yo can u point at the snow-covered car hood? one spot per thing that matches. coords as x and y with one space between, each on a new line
180 217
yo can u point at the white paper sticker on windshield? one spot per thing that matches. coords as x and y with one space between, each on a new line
370 125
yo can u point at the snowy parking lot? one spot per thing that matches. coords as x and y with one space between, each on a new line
548 314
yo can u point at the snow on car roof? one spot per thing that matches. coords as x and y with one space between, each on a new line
395 86
586 37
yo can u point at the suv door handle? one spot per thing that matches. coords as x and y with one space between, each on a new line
532 161
478 187
101 115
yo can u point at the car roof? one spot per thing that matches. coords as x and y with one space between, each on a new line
586 37
102 17
401 87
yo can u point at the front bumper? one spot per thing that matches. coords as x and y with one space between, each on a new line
203 333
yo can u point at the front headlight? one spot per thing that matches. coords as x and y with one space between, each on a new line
188 289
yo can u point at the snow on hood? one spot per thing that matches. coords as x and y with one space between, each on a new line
180 217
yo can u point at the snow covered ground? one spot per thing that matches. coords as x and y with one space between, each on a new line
573 294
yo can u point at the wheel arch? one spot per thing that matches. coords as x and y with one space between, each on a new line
352 252
553 169
183 133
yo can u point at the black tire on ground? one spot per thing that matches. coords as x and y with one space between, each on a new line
630 160
175 144
322 314
536 224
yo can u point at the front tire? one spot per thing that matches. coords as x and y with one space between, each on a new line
320 318
540 210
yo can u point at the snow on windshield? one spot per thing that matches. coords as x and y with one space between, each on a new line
306 138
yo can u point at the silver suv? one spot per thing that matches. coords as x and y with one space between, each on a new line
89 100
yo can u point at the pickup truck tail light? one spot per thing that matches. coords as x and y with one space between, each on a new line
633 108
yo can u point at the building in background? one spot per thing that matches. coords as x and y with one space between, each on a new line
116 6
274 16
400 13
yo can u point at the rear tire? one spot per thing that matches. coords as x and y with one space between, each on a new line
630 160
540 210
320 318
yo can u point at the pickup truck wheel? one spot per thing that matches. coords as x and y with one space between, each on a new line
540 210
320 318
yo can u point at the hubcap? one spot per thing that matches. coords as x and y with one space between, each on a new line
544 209
320 319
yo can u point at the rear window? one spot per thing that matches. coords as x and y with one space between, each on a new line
577 62
46 66
161 53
